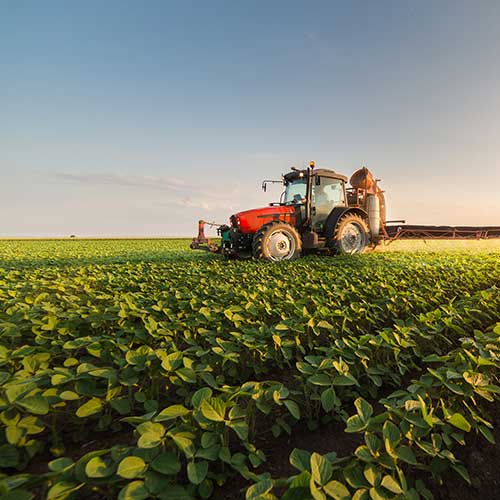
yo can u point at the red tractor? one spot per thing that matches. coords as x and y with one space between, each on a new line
316 212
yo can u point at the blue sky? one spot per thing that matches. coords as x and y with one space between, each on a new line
137 118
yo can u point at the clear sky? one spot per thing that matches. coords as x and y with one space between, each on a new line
138 118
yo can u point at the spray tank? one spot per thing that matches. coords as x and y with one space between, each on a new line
373 209
373 199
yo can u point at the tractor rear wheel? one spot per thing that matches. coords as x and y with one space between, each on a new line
351 235
277 241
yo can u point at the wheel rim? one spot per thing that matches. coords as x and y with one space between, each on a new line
352 239
280 245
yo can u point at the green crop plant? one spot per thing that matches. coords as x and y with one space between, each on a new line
134 369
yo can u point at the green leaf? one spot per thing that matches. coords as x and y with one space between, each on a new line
302 480
355 424
171 412
131 467
361 494
175 492
62 489
172 361
344 380
237 412
69 396
377 493
166 463
391 435
89 408
316 491
259 490
293 408
59 378
208 439
337 490
354 477
281 327
18 494
213 409
206 488
14 434
321 469
487 433
156 483
363 453
97 468
184 440
406 454
79 470
121 405
9 456
187 374
200 395
240 427
15 391
390 483
60 464
324 324
197 471
212 453
152 427
301 459
304 368
372 474
328 400
364 409
37 405
462 471
372 441
134 491
459 421
320 379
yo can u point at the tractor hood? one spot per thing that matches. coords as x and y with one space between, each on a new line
250 221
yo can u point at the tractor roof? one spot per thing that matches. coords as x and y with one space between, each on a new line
322 172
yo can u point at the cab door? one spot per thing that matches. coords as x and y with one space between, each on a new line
326 194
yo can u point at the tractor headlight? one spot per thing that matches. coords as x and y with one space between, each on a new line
235 221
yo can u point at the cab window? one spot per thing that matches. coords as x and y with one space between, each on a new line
326 195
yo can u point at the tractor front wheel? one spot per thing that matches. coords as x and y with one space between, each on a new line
277 241
351 235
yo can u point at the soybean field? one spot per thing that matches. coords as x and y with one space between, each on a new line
138 369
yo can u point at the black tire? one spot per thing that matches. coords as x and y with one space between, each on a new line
351 235
276 241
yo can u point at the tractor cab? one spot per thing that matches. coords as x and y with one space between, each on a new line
318 191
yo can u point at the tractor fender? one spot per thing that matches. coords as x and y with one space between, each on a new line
336 214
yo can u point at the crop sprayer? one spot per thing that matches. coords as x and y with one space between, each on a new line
319 212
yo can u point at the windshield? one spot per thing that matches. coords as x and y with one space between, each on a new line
295 191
